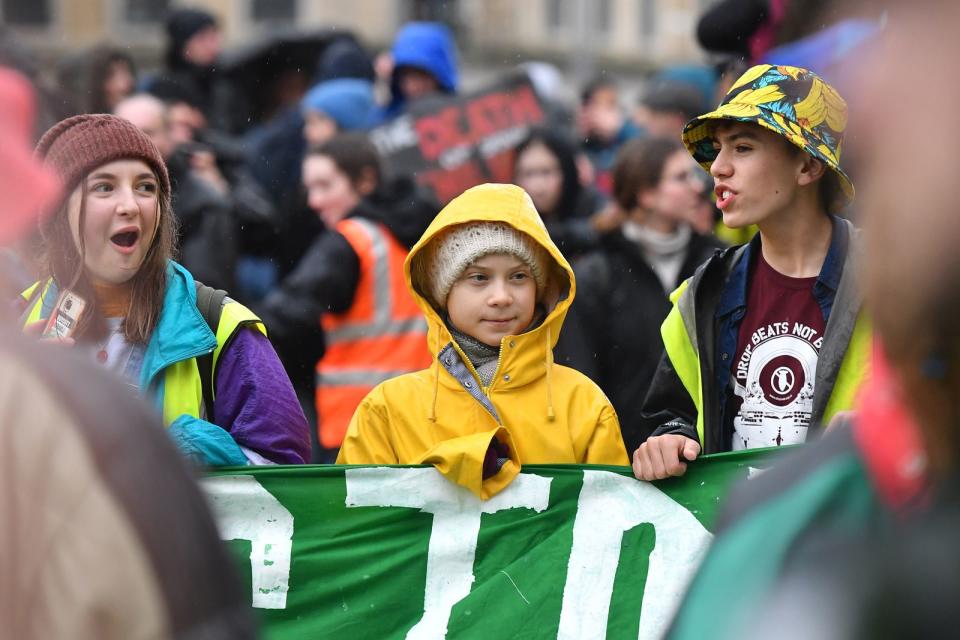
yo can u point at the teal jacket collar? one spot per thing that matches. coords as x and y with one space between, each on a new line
181 332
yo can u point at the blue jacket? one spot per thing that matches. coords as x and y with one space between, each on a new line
427 46
170 377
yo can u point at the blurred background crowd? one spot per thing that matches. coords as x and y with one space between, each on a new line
234 94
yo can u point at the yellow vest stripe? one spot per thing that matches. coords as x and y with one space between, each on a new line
685 360
37 309
183 390
234 315
854 369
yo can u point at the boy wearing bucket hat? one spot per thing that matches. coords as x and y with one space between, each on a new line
767 340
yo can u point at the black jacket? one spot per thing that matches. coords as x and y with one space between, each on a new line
572 230
205 88
326 278
208 234
612 332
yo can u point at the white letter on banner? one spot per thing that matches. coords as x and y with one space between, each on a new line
456 525
244 510
609 505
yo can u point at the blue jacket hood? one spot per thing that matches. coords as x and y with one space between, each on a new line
427 46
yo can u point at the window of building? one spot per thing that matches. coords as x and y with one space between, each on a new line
273 10
601 19
562 15
556 15
145 11
445 11
648 18
28 13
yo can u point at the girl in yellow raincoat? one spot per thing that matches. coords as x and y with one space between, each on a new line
494 289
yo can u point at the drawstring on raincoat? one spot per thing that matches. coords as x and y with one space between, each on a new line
551 416
436 374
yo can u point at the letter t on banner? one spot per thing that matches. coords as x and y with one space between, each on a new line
609 505
456 526
244 510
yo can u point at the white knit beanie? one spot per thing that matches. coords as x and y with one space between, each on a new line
454 250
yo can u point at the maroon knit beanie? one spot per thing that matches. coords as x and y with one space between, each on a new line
77 145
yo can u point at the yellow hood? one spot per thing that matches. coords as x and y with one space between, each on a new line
494 203
540 412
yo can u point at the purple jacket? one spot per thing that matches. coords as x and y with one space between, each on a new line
255 401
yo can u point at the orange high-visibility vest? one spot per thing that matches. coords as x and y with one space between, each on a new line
382 335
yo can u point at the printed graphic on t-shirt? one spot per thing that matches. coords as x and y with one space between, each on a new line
774 377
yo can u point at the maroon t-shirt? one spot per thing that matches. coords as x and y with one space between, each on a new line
775 362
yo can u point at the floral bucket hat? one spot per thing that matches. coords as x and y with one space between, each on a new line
792 102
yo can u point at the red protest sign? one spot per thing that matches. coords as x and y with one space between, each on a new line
454 143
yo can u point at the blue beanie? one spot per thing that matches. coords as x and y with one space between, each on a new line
347 101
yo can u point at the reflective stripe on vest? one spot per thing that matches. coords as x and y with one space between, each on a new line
181 387
367 237
181 391
356 378
43 305
853 369
382 334
680 342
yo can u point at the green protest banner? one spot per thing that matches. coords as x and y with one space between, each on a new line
400 552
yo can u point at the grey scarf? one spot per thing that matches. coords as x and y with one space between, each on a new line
482 356
664 252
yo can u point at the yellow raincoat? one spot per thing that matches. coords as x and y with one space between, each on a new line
548 413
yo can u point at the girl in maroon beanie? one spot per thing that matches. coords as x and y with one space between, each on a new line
111 287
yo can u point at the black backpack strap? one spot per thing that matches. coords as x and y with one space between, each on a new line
210 305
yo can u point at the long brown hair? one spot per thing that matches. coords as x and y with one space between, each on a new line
63 261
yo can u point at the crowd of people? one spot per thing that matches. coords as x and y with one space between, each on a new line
296 214
688 278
